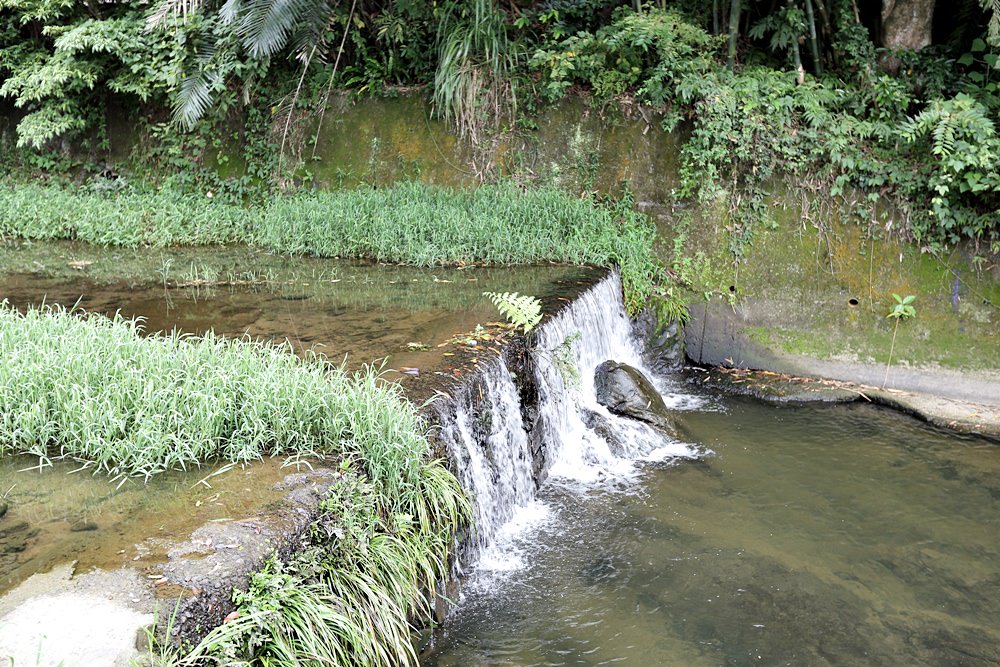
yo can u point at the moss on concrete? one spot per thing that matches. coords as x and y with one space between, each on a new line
819 284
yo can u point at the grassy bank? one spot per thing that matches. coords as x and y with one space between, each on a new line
407 223
93 390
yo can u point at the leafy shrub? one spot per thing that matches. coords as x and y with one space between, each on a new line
60 74
654 53
959 139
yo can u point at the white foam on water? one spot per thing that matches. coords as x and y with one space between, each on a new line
575 452
489 444
492 457
506 553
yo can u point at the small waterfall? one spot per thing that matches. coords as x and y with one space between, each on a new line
488 442
573 451
501 457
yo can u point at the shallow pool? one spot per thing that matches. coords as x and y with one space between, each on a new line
812 535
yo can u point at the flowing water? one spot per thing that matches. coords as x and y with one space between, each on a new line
793 535
490 444
364 313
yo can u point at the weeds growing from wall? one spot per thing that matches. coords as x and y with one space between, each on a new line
366 572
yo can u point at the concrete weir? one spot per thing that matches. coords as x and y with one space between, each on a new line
507 421
182 571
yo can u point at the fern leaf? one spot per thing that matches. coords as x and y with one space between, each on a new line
521 310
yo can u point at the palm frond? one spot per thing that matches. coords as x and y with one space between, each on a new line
194 97
171 8
267 26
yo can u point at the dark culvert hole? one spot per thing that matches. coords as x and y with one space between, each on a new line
852 302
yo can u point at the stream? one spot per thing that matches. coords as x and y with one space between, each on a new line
760 535
812 535
797 534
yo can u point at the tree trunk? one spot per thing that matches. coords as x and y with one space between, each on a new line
906 24
734 30
813 41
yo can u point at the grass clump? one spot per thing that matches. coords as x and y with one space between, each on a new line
408 223
92 389
348 598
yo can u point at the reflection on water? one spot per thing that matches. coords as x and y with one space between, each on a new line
364 313
827 535
57 515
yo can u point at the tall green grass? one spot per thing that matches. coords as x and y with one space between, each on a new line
408 223
93 390
349 597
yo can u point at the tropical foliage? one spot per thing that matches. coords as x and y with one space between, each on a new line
522 310
804 88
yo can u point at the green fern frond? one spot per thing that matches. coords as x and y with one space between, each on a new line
521 310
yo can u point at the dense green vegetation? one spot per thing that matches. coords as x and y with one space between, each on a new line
408 223
890 106
349 596
139 406
898 102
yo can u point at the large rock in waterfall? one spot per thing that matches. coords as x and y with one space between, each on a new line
625 391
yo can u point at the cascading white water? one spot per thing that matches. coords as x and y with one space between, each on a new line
492 456
488 439
574 452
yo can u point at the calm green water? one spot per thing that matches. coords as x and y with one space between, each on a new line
816 535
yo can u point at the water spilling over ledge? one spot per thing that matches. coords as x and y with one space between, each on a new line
532 416
604 554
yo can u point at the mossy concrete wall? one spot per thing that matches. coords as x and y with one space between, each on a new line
381 140
816 283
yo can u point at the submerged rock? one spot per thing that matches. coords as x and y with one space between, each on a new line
600 425
625 391
82 527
